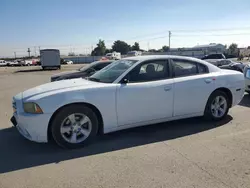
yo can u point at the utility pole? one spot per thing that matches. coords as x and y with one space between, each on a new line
15 54
148 46
169 36
28 51
39 50
35 50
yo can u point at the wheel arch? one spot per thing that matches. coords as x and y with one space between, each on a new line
91 106
227 92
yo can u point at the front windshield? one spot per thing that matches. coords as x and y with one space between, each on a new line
110 73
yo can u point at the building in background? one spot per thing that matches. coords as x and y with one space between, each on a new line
245 52
196 51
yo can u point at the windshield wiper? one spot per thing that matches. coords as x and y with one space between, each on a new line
93 79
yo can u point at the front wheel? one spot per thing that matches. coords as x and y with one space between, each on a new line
74 126
217 106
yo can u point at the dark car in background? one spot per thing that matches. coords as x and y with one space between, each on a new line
83 72
214 56
234 66
217 59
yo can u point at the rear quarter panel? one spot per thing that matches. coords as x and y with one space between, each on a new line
234 81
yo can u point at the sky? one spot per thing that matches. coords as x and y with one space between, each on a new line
77 25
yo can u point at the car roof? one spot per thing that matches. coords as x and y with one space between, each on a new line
152 57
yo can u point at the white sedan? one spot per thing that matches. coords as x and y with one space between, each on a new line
128 93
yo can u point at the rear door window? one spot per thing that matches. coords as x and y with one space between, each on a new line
182 67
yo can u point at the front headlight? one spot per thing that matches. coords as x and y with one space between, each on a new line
33 108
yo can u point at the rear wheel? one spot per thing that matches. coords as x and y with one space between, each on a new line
74 126
217 106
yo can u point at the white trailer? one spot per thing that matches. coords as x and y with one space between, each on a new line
113 55
50 58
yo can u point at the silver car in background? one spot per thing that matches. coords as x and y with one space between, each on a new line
247 78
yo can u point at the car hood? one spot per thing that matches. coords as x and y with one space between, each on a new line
66 73
59 86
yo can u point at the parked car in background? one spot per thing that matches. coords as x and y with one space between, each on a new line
28 62
15 63
217 59
234 66
3 63
121 96
67 62
83 72
247 78
20 62
134 53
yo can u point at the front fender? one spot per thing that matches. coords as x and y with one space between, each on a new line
104 100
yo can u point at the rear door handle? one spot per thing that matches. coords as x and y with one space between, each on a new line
167 88
208 80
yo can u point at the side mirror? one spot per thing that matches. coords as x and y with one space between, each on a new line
124 81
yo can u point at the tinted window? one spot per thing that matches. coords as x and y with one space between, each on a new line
187 68
150 71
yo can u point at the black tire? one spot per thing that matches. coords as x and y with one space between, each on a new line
64 113
208 111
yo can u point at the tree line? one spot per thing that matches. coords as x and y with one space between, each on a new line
122 47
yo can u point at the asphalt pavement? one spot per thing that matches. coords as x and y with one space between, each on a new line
186 153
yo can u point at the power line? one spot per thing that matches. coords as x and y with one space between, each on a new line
233 34
209 30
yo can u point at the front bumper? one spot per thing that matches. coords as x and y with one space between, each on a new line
32 126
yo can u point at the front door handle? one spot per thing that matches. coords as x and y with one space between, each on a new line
208 80
167 88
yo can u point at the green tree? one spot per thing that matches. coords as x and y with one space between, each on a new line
136 46
71 54
121 46
152 50
100 49
108 51
165 48
233 49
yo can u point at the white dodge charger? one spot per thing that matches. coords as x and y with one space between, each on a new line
128 93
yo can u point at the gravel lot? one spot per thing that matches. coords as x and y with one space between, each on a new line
186 153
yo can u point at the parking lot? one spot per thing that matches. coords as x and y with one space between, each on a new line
185 153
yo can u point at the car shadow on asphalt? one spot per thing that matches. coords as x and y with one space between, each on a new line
18 153
245 101
34 70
